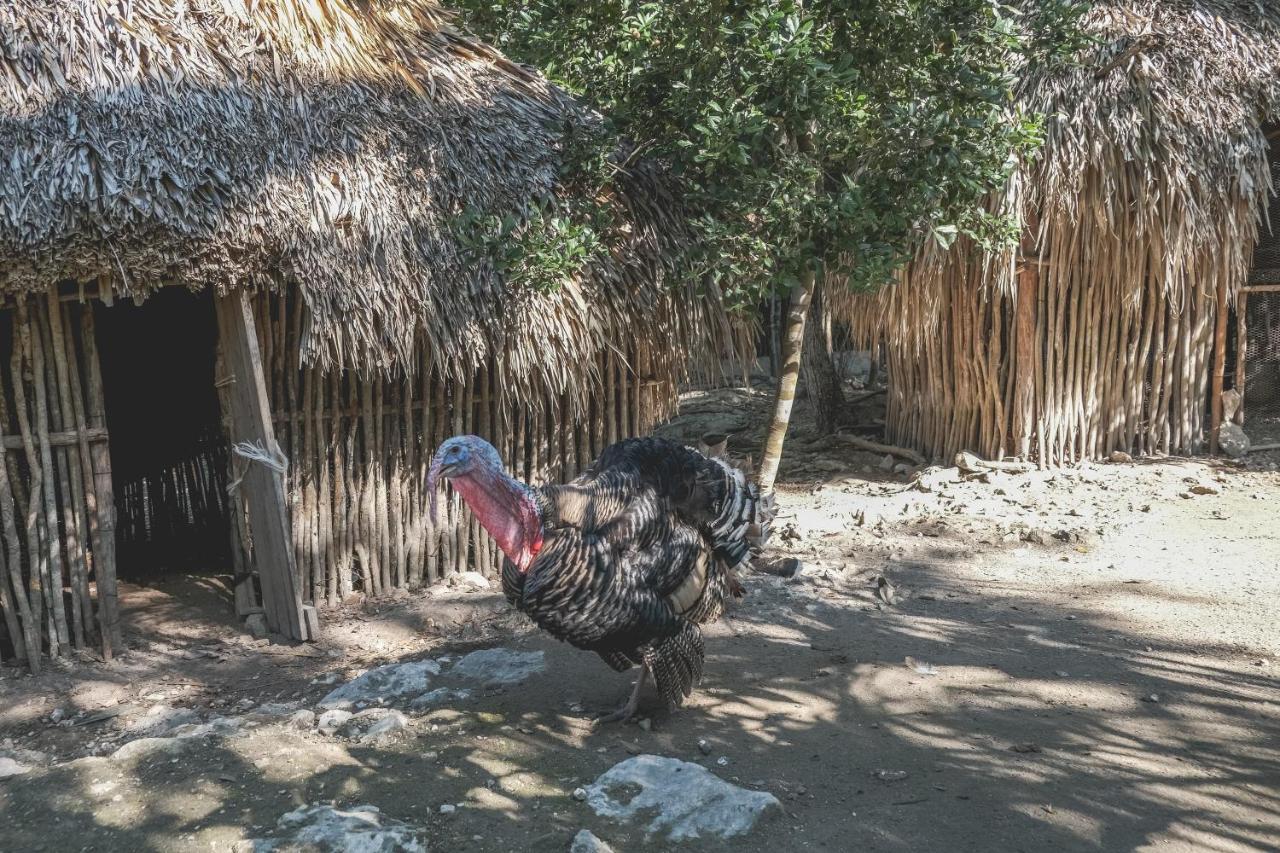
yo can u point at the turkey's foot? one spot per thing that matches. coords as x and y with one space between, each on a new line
628 710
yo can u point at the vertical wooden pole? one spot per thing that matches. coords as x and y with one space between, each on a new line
52 540
1242 348
74 506
104 557
1219 364
263 489
1024 409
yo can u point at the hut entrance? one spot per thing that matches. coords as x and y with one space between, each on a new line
168 449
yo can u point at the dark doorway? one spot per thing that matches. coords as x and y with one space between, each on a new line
168 451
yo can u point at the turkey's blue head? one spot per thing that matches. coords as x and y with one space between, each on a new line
502 504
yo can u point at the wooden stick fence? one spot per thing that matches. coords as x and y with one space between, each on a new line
359 447
57 571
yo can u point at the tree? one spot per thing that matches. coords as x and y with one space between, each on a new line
822 382
812 140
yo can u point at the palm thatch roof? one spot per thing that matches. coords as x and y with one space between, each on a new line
326 144
1147 195
1155 138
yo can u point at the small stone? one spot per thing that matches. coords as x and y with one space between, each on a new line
1120 457
448 808
392 727
889 775
580 794
256 624
646 724
1233 441
722 761
887 463
56 715
473 580
331 721
788 567
586 842
303 720
704 746
1151 697
1205 489
9 767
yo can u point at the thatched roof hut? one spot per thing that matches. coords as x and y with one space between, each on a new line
302 163
1139 216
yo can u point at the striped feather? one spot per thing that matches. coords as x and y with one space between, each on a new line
637 552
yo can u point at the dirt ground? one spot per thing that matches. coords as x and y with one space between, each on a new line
1079 660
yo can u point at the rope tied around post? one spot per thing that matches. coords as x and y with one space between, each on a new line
273 459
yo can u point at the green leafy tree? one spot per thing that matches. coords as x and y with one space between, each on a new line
813 141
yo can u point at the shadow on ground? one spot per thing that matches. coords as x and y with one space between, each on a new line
1044 728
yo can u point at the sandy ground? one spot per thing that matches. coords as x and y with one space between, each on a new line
1084 660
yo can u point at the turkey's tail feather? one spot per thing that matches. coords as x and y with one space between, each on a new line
676 663
743 523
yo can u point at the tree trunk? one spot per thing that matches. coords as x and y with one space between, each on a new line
821 381
792 346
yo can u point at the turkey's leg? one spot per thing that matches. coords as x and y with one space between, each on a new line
628 710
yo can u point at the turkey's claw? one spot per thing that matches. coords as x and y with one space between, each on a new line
628 710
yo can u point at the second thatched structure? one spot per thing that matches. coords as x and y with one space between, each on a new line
1107 329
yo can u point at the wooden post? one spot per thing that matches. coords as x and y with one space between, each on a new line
104 555
1242 347
1024 330
262 488
1219 365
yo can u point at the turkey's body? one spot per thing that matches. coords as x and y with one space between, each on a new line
639 551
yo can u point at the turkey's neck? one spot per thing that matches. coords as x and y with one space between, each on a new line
506 508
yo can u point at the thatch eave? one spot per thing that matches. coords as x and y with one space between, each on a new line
222 144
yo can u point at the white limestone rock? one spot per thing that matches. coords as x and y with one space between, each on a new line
682 800
384 685
496 667
324 829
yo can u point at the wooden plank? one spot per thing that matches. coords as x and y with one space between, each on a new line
263 488
104 556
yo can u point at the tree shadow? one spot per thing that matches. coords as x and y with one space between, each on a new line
1018 728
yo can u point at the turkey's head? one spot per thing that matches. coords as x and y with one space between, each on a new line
502 504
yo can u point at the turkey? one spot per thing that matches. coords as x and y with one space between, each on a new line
625 561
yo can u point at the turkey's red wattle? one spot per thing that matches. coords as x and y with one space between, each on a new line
505 509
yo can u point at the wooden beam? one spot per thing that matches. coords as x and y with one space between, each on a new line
263 488
65 438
